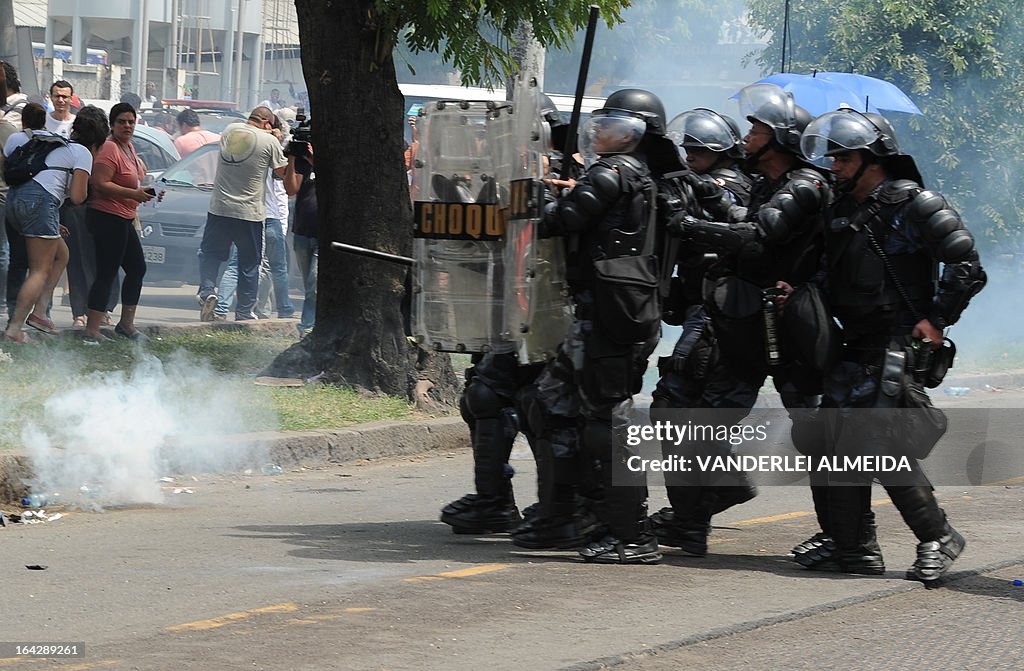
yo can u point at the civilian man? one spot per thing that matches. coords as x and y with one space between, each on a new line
247 151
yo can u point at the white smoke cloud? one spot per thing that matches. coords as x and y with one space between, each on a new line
107 438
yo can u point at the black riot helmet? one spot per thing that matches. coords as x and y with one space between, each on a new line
707 129
774 107
639 103
557 125
549 112
849 130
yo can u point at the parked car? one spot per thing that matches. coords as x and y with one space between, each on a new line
213 120
173 227
156 149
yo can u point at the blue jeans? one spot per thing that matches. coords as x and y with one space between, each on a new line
229 283
218 235
307 257
277 256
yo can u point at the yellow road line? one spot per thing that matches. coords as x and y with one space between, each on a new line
788 516
1009 481
215 622
460 573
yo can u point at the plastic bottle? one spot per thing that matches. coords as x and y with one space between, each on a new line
34 501
271 469
1018 583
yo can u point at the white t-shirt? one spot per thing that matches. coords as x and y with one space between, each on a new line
57 182
62 128
277 200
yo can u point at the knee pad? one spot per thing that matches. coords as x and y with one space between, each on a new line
467 416
481 401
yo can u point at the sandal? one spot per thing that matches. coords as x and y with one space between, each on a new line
42 324
79 322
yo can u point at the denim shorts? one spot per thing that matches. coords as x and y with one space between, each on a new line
33 211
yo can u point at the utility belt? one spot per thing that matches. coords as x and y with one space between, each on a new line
912 356
905 370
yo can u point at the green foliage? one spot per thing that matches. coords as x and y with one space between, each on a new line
472 35
960 62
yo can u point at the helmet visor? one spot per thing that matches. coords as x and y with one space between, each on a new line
611 134
836 132
702 128
769 104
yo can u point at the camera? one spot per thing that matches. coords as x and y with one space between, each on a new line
302 135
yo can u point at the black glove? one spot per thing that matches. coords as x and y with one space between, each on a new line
705 188
682 225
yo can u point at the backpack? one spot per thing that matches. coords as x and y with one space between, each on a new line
29 159
17 107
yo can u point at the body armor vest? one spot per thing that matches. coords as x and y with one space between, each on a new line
861 288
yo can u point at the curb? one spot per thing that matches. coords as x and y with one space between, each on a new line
270 326
293 449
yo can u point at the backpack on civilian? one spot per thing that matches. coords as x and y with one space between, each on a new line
29 159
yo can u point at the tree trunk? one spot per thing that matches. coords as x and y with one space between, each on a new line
363 199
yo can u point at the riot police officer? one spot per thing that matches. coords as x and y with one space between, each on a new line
885 241
712 147
584 394
774 239
491 405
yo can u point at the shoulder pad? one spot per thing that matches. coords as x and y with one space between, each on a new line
605 180
735 182
925 204
620 161
898 191
807 175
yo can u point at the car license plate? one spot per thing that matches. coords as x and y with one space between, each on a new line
153 254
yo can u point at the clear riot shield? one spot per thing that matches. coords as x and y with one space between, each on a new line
458 279
537 309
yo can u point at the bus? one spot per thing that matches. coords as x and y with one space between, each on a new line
63 52
422 94
418 94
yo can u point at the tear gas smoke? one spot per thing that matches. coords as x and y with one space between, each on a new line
107 438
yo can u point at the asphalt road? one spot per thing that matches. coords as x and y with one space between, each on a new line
347 568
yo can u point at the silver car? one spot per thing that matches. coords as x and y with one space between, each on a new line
156 149
173 227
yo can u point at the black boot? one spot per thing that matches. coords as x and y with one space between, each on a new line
477 514
492 509
854 547
939 544
816 549
935 557
611 550
564 532
687 530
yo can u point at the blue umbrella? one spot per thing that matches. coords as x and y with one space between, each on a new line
878 93
814 94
